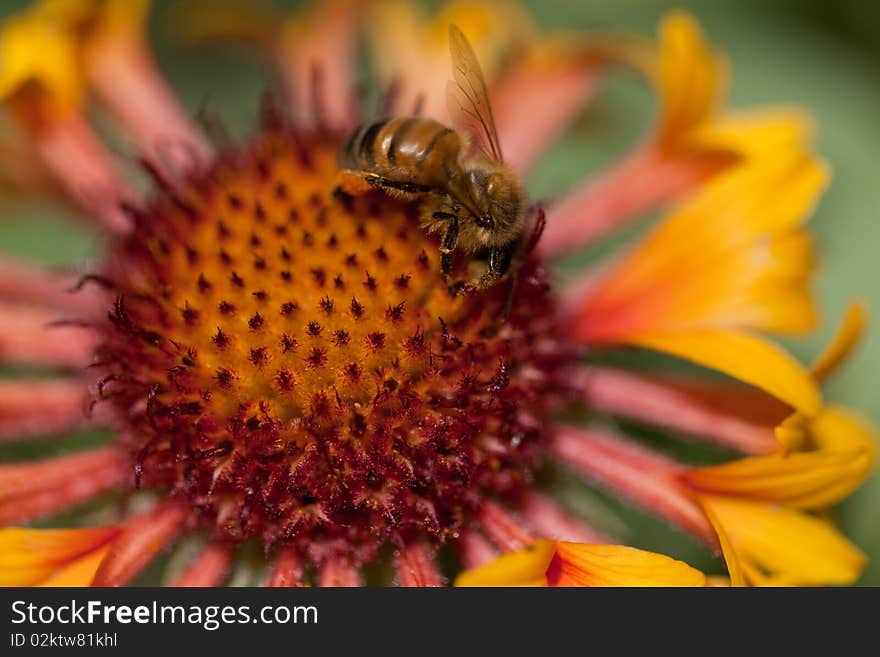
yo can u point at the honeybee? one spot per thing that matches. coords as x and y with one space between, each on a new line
474 200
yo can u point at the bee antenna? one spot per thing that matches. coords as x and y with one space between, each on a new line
419 105
389 97
316 84
538 229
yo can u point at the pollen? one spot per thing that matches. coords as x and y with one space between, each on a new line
292 362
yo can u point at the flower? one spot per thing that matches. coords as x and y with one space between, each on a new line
283 363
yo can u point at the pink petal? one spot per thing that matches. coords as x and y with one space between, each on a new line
209 568
416 566
727 414
143 537
325 49
474 550
28 336
41 488
505 531
21 281
642 181
289 570
126 81
338 572
534 103
41 407
75 156
552 521
633 472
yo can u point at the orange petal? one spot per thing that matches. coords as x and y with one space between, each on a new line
576 564
31 556
80 572
732 256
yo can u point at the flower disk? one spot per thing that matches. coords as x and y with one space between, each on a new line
292 362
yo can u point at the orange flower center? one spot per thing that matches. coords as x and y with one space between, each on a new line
293 362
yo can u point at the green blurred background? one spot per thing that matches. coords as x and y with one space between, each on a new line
823 56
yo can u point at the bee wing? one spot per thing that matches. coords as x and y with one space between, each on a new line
468 96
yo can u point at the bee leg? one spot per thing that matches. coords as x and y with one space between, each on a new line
396 185
508 302
450 239
500 258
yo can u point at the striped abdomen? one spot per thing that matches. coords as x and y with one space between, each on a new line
405 149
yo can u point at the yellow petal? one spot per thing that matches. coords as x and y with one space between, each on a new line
743 356
804 480
412 49
37 54
791 433
840 430
791 546
30 556
578 564
731 558
845 340
99 17
526 567
691 76
753 133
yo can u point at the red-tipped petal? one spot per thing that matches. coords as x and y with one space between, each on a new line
46 556
143 537
41 408
724 413
209 568
28 336
289 570
33 490
416 566
634 473
552 521
643 181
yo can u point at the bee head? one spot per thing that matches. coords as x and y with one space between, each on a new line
497 196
